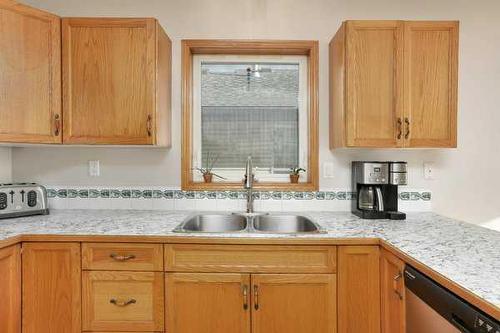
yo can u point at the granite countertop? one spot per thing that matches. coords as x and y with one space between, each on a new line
466 254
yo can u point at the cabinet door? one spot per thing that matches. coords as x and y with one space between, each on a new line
207 303
10 290
359 289
51 288
392 291
294 303
374 83
122 301
30 78
109 80
431 69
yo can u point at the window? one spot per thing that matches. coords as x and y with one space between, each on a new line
245 99
250 106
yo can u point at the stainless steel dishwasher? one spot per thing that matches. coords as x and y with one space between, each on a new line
430 308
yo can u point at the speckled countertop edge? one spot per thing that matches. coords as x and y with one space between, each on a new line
466 254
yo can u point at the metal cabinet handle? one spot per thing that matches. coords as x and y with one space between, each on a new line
123 303
396 291
57 125
407 122
245 297
256 297
400 128
149 125
121 258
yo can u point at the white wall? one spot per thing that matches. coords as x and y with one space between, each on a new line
464 181
5 165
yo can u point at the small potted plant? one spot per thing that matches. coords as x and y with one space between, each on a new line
295 174
206 172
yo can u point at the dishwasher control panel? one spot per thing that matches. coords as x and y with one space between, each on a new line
485 325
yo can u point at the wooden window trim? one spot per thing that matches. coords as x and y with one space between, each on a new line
248 47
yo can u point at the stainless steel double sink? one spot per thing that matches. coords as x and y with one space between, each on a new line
259 223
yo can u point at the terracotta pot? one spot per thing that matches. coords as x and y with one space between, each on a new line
294 179
207 177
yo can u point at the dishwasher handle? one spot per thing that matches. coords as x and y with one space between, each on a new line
459 323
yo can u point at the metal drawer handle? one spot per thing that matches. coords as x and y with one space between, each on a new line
396 278
122 304
245 297
149 125
57 125
407 122
122 258
256 297
400 128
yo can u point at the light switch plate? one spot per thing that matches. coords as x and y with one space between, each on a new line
94 169
328 170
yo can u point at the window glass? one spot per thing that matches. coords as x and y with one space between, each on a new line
250 109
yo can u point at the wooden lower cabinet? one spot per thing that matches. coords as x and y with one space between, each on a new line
207 303
51 292
122 301
392 293
294 303
10 289
259 303
358 289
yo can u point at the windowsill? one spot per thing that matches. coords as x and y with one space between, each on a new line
264 186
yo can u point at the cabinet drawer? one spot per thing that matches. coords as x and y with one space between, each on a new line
122 301
250 258
122 257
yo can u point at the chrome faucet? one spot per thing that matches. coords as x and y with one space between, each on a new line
248 185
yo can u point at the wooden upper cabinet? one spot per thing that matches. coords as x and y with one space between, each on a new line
116 82
10 289
392 293
431 67
373 75
30 75
393 84
359 289
294 303
51 290
207 303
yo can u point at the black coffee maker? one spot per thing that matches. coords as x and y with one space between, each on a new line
376 186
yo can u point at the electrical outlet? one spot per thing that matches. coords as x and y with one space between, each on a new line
94 169
328 170
429 171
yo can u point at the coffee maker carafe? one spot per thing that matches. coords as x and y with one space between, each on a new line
376 186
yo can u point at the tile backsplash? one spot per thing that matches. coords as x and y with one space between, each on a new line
158 198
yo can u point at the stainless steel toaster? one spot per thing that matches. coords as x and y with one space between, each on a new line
22 199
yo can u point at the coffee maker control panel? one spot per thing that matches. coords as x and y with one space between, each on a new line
374 173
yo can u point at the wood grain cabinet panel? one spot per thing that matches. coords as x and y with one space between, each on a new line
250 258
392 293
294 303
431 67
122 256
51 291
208 303
116 82
359 289
122 301
30 79
10 289
394 84
373 80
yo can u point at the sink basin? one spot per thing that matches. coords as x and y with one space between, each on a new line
289 224
213 223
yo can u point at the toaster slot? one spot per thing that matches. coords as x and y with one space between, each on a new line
3 200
